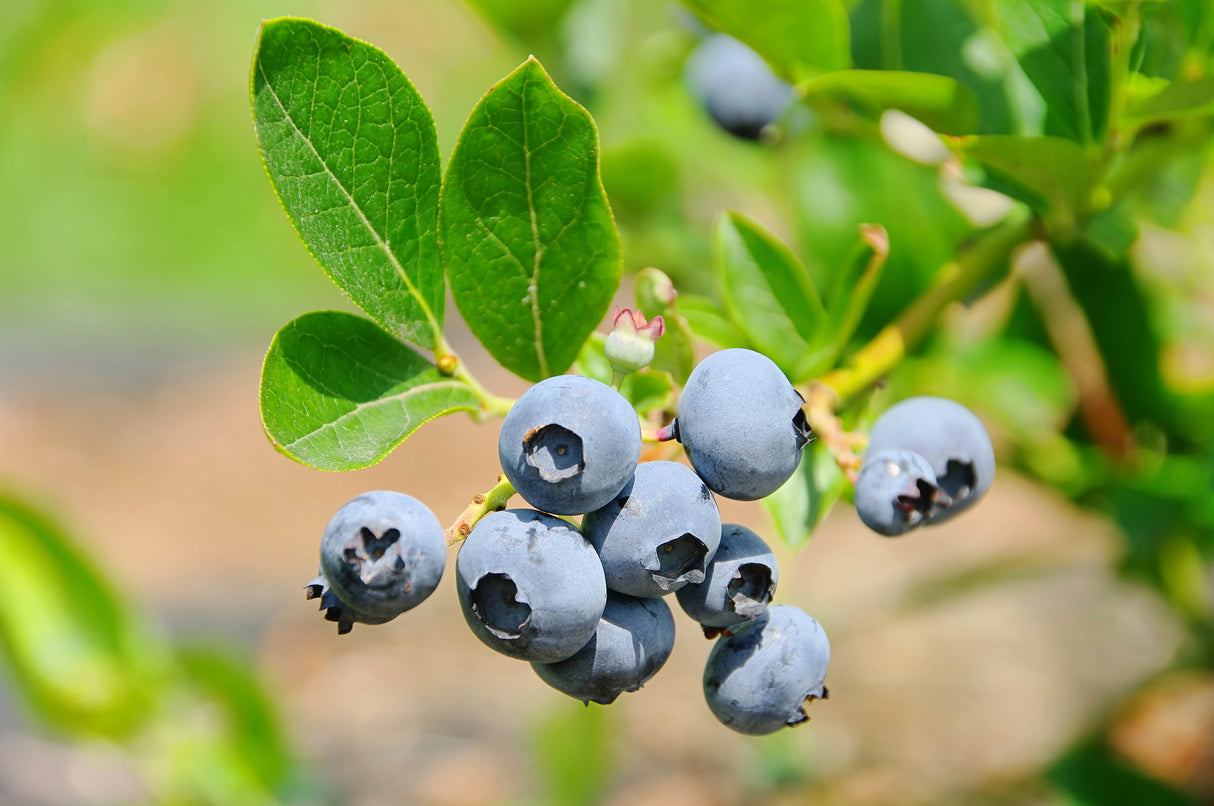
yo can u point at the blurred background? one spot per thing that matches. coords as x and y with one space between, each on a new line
1054 647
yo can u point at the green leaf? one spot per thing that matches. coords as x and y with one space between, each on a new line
338 393
1118 311
648 390
852 290
1052 175
1092 774
767 292
706 321
798 39
840 183
802 502
251 725
1174 102
563 743
942 37
531 249
76 655
939 102
351 150
1063 48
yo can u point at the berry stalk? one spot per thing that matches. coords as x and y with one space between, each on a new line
988 255
492 500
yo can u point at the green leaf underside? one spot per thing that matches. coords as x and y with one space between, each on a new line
338 393
352 152
1176 102
531 249
767 292
940 102
798 39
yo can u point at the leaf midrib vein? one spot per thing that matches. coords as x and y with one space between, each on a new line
379 241
360 407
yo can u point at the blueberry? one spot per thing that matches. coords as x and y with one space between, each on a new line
530 585
659 533
736 87
381 554
896 491
633 639
761 677
569 444
738 583
741 424
952 440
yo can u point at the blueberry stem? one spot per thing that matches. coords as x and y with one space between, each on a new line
449 364
493 500
664 434
985 259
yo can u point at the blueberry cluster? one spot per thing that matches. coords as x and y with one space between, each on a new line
584 603
928 459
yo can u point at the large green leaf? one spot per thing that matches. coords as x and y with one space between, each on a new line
77 656
938 101
531 249
351 149
1052 175
942 37
798 39
1063 47
338 393
767 292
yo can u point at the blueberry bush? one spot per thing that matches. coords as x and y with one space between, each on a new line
1050 123
866 249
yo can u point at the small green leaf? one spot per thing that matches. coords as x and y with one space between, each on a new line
851 292
1175 101
76 655
563 742
709 324
1052 175
351 150
648 390
798 39
531 249
767 292
338 393
939 102
802 502
1063 48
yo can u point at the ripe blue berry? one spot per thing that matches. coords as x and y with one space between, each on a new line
569 444
737 88
896 491
952 440
738 584
741 424
530 585
634 638
381 554
761 677
658 534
